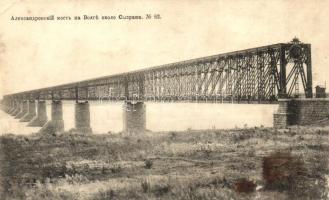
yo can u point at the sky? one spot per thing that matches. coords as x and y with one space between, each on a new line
47 53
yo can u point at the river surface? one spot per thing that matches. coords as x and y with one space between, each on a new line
107 116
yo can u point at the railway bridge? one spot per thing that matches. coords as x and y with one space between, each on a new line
256 75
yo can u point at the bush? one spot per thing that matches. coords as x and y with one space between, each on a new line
173 135
148 163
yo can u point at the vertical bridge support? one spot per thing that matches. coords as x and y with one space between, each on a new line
283 117
12 107
56 124
41 118
134 117
23 110
17 108
301 112
31 112
82 118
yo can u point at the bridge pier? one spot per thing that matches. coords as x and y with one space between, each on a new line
282 118
134 117
23 110
41 118
13 107
17 109
31 112
56 124
301 112
82 117
10 107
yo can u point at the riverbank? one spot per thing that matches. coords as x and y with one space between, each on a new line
248 163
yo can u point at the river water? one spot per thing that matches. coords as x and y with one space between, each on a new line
107 116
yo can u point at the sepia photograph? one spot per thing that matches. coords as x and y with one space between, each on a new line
164 100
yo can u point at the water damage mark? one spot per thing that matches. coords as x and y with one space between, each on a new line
300 177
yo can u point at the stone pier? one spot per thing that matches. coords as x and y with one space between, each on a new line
82 118
56 124
134 117
23 111
17 108
13 108
31 112
41 118
301 112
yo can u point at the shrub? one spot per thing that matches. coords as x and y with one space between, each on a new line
173 135
148 163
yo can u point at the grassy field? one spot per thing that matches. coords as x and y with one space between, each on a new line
249 163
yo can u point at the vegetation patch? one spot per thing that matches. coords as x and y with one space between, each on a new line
211 164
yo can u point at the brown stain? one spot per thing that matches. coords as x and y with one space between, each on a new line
280 169
244 186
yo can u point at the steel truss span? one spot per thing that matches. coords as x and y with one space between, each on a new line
260 75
